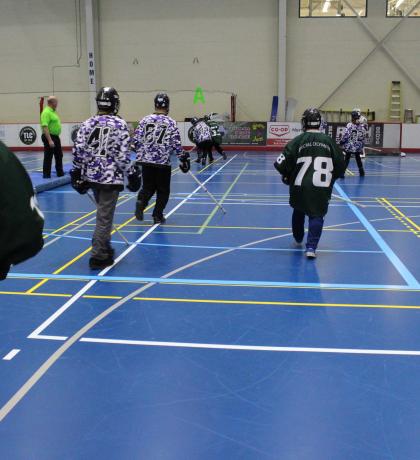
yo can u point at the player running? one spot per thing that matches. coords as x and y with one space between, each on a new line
354 138
203 139
155 139
310 164
217 133
101 158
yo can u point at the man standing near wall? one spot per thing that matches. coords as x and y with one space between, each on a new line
51 130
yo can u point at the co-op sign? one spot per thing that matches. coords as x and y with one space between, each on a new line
281 133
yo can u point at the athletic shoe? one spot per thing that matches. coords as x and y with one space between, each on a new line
297 244
139 211
61 174
362 172
46 177
211 160
159 220
310 253
203 162
98 264
224 156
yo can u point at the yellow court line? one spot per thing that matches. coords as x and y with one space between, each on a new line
78 257
225 195
35 294
275 303
397 214
417 227
75 259
224 301
350 173
74 222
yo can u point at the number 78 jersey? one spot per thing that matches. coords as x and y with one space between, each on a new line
155 139
312 162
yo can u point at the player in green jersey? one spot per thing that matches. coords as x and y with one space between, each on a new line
310 164
217 133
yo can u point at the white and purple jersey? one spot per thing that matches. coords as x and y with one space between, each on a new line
156 138
323 127
101 150
354 137
202 132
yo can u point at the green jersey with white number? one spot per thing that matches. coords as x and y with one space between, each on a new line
312 162
216 135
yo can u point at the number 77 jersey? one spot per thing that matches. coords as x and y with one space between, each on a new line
155 139
312 162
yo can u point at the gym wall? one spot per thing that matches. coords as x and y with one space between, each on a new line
147 45
321 52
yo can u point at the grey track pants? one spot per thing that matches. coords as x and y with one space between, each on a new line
106 200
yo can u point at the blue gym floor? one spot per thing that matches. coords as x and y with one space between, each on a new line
235 346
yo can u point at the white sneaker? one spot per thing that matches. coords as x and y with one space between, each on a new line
310 253
297 245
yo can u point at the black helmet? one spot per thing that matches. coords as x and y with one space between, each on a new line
311 119
108 100
207 118
194 121
162 101
356 114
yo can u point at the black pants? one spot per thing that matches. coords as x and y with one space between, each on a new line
218 148
314 230
156 179
358 160
204 150
49 153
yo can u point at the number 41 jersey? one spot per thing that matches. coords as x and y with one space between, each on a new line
312 162
155 139
101 150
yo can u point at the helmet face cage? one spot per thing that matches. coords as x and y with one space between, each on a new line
194 121
162 101
311 119
108 100
356 114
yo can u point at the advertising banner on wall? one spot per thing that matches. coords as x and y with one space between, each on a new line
279 134
245 133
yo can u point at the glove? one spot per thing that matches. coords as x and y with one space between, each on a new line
184 162
134 180
285 180
80 185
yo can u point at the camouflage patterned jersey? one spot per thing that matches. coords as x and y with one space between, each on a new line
156 138
101 150
202 132
354 137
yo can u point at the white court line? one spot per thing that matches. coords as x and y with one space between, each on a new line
86 288
124 200
218 346
26 387
11 355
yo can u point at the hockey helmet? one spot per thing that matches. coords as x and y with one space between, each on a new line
162 101
108 100
311 119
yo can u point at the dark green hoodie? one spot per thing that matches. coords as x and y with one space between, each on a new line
21 221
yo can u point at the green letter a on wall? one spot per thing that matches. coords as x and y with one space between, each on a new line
199 96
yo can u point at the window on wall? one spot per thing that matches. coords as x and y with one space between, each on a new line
400 8
332 8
